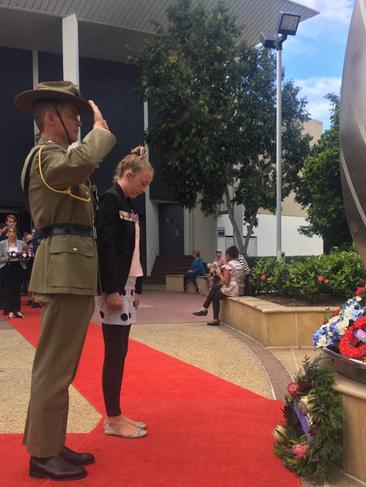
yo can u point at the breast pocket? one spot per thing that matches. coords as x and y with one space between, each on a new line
72 262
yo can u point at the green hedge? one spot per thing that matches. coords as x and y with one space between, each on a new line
336 274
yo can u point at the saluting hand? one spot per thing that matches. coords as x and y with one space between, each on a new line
114 302
99 121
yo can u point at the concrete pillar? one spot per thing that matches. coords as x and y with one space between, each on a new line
238 215
70 49
70 53
152 216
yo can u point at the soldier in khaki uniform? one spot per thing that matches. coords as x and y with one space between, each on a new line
64 276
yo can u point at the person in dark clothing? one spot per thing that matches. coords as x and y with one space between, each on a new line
12 271
118 238
197 269
2 237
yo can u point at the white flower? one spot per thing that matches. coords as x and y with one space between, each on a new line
322 342
306 403
342 326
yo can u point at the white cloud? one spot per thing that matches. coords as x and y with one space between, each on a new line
314 89
330 26
323 34
339 11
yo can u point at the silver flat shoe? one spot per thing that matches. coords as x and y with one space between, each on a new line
139 424
139 433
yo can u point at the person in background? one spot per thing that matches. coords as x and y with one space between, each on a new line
232 278
219 261
10 221
197 269
2 237
2 231
12 266
31 248
118 232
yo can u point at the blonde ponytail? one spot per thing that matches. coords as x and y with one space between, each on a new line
135 162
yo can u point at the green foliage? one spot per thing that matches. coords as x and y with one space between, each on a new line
212 100
326 418
310 278
320 190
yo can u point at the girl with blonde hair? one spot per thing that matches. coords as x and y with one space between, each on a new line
118 231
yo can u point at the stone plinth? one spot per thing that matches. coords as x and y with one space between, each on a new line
353 396
272 324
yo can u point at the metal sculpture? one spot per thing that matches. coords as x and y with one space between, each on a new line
353 128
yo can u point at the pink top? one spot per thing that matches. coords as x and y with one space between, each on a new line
136 268
221 261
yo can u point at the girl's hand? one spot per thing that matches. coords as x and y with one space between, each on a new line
114 302
136 302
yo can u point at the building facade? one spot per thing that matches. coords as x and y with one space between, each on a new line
263 240
88 43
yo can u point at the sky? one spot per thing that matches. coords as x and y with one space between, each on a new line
313 59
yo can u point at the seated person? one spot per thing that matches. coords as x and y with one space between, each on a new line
231 277
219 261
197 269
247 289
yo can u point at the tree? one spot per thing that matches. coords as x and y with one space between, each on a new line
212 100
320 190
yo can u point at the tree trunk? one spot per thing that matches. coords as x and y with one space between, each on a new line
236 231
249 232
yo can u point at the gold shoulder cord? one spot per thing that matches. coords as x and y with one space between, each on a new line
63 191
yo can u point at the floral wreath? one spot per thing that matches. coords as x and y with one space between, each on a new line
353 342
310 439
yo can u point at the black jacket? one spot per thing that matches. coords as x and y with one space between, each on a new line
115 240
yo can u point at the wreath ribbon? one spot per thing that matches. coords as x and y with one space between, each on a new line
304 422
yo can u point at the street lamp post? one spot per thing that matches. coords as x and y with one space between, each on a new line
287 25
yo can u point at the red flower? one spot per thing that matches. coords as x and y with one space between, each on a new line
349 345
263 277
293 389
336 312
300 451
326 281
359 291
320 278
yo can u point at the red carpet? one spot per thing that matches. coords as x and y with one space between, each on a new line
203 431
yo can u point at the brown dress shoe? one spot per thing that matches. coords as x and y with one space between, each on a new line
77 458
55 468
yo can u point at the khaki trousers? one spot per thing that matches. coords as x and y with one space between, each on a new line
64 323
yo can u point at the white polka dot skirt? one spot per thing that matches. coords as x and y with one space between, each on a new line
126 316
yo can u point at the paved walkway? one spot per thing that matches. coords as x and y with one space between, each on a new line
165 323
172 329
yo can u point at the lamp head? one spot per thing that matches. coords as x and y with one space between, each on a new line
288 24
269 40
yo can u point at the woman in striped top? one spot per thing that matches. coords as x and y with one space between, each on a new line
231 281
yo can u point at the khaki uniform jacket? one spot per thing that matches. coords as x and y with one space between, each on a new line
65 264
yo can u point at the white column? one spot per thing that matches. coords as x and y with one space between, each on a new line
70 48
70 53
238 215
152 216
